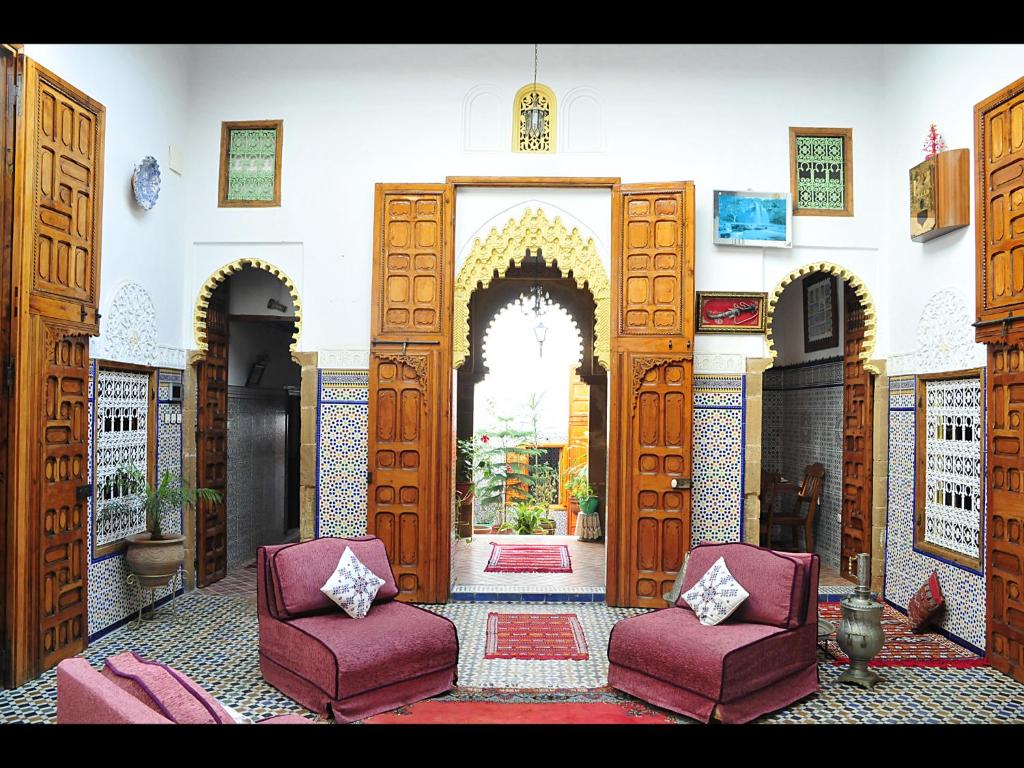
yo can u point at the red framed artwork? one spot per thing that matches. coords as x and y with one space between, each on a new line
730 312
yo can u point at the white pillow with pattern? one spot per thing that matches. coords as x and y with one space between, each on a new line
352 585
715 595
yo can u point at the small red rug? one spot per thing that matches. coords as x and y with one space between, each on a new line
902 647
495 713
535 636
529 558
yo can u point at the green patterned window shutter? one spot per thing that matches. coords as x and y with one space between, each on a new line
251 163
821 169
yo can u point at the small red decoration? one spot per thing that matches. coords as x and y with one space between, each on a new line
933 143
485 439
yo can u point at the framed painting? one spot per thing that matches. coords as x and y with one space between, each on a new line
762 219
821 312
821 171
731 312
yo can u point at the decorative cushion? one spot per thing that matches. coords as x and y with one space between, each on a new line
352 585
779 581
927 605
715 595
165 690
295 573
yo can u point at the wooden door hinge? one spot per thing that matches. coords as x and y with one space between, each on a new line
17 94
369 477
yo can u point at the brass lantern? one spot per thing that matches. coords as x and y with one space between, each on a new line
535 116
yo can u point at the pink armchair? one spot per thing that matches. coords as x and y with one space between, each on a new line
314 653
760 659
139 692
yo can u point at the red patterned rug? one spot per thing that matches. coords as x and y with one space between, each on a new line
498 713
535 636
529 558
902 647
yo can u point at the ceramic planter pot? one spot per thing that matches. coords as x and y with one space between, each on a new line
589 506
154 562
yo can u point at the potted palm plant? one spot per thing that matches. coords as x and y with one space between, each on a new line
580 489
155 555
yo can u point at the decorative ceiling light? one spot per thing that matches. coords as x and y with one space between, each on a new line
535 113
541 332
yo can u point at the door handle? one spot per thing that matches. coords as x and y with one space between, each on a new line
682 483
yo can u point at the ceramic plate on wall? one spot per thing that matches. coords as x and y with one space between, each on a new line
146 182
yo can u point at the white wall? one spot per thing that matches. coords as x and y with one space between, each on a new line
926 84
145 91
356 115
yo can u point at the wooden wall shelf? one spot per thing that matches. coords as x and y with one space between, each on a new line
940 195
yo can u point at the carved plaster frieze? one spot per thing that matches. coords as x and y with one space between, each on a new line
129 328
945 336
704 362
348 359
557 244
870 317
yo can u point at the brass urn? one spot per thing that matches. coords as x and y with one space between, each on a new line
860 633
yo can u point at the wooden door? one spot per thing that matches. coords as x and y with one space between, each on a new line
1004 548
212 444
651 409
411 440
578 441
858 399
58 191
999 201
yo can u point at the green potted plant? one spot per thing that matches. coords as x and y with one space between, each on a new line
580 489
155 555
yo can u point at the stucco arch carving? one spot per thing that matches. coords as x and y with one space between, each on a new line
870 318
222 274
556 244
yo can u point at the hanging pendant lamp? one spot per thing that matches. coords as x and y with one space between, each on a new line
535 114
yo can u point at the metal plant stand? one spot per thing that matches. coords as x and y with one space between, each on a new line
156 614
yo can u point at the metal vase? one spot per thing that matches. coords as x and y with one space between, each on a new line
860 633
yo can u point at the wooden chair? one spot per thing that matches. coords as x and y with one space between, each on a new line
767 498
808 494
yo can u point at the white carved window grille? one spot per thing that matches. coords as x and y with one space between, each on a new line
122 439
952 511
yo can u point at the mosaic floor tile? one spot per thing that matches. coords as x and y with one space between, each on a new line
215 643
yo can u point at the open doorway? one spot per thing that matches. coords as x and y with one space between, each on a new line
816 479
248 428
532 437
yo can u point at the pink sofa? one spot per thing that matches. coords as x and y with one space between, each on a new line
314 653
141 692
760 659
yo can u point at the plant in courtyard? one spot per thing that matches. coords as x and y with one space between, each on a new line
578 486
128 485
528 516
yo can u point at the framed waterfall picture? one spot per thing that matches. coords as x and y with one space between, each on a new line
762 219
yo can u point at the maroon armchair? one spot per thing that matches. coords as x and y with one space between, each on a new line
760 659
317 655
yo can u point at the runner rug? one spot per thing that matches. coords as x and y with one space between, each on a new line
524 706
529 558
535 636
902 647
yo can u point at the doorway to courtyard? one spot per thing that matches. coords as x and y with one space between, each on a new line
816 462
248 428
531 429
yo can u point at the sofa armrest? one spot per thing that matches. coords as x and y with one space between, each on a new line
84 696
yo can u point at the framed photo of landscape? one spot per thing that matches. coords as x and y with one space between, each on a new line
821 312
762 219
731 312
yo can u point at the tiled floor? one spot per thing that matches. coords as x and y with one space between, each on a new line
471 558
216 644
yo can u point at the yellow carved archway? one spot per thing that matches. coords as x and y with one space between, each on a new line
222 274
870 319
534 231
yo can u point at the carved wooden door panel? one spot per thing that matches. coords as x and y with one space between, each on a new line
410 445
212 444
999 201
858 399
652 390
64 477
1004 550
64 163
57 212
